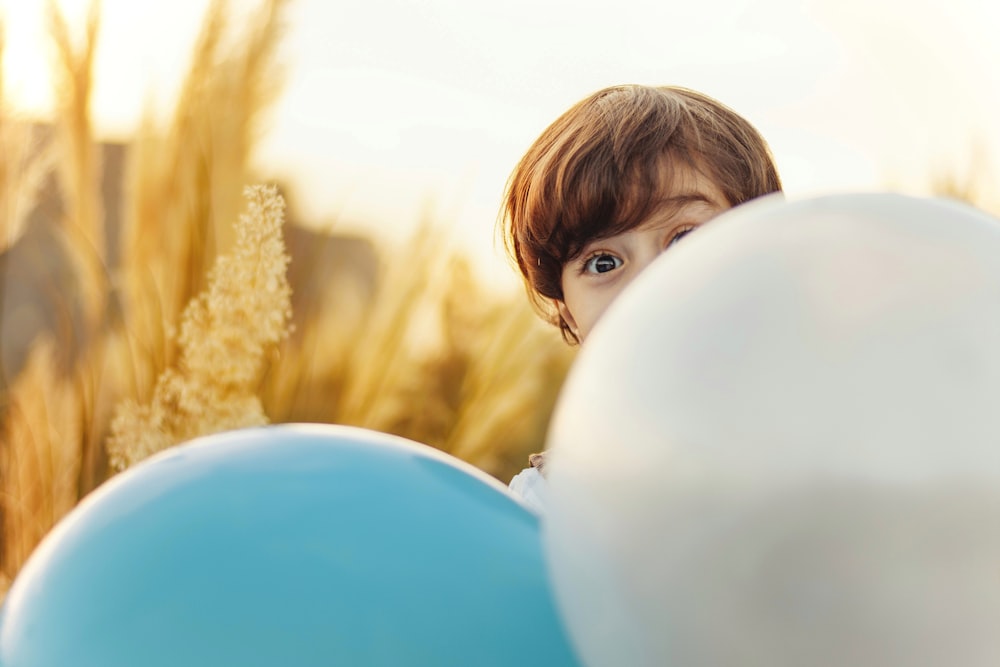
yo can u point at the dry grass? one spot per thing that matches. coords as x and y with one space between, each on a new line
224 337
25 160
39 456
172 350
77 168
435 357
184 184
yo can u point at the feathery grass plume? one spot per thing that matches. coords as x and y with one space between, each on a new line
78 166
225 335
179 183
184 183
39 456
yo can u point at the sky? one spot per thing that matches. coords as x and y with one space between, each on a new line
399 110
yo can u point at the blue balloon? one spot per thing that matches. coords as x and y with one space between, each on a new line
290 545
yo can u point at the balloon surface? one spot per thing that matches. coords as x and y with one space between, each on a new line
289 545
781 445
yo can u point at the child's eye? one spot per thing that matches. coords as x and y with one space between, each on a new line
681 234
601 263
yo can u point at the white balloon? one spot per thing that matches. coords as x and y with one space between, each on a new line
780 446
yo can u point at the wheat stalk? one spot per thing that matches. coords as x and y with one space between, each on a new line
78 166
39 456
184 182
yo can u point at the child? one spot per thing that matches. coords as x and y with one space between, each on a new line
612 183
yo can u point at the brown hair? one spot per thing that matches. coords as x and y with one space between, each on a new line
598 170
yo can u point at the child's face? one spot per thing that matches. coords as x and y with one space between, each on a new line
592 279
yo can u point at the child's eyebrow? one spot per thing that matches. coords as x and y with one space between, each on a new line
686 198
674 204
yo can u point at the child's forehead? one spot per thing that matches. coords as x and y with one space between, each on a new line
680 185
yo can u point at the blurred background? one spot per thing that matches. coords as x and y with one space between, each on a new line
129 128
